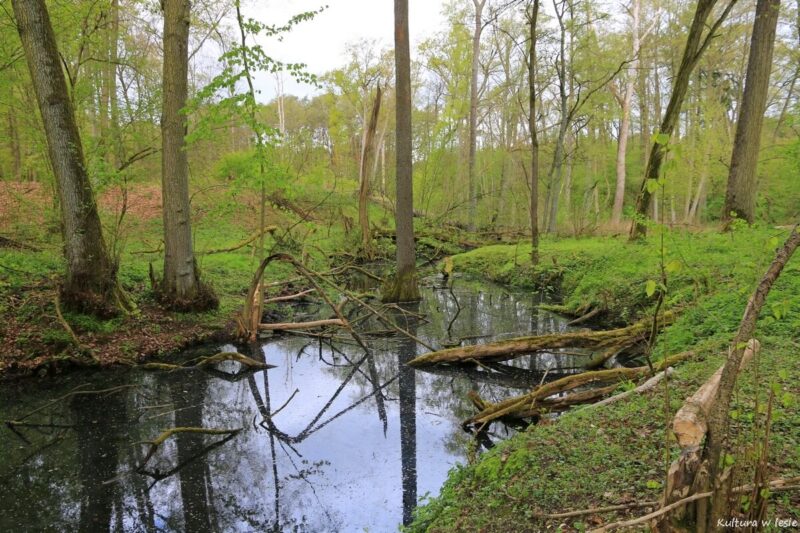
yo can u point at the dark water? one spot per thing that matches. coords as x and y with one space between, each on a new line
360 441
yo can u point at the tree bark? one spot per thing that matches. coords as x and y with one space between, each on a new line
367 149
718 417
625 120
404 285
695 46
90 284
533 17
740 198
473 111
180 286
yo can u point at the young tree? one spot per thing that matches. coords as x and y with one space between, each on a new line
403 288
740 198
533 16
90 284
181 287
473 110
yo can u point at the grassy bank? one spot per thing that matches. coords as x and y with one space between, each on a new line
616 454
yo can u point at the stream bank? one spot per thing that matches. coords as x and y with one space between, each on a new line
615 455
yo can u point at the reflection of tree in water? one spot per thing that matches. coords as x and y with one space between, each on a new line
99 425
259 481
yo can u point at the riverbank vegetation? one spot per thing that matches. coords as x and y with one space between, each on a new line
636 163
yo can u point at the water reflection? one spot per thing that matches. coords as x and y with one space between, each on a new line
332 439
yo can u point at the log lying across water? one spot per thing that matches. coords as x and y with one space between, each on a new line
536 401
605 343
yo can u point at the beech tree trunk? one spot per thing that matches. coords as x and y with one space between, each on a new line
90 283
740 198
403 288
695 46
533 17
180 286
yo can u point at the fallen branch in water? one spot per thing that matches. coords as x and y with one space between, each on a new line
289 297
605 341
212 359
284 326
528 402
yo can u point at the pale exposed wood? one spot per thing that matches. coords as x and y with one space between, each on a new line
648 385
289 297
690 422
303 325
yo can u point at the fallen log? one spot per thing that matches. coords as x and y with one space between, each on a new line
509 349
527 402
285 326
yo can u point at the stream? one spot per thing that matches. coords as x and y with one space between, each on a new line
352 444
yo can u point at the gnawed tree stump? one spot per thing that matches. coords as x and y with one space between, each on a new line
687 475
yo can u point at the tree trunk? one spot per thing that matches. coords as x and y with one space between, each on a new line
718 417
14 145
740 199
625 120
534 207
180 287
473 112
403 287
90 284
695 46
363 193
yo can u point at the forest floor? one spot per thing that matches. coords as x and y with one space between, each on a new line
318 228
617 454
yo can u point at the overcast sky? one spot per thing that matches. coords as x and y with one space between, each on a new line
321 42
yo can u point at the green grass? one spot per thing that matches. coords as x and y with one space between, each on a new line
616 454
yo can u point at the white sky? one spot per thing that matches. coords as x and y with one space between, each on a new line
321 42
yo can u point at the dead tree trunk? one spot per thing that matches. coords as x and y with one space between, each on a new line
367 149
90 284
740 199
